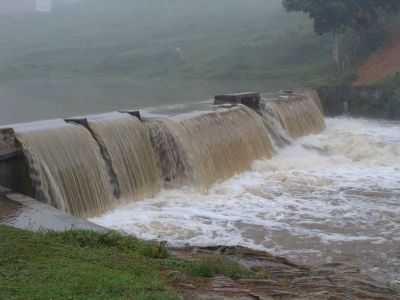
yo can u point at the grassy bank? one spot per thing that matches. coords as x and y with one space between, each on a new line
87 265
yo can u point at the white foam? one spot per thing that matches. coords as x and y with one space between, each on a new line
336 187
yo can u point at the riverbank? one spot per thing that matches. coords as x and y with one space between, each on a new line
89 265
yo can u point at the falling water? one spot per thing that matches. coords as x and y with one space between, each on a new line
300 115
173 160
328 197
280 136
127 141
77 169
221 144
67 169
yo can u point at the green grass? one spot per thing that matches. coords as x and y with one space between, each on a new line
228 39
87 265
210 266
78 265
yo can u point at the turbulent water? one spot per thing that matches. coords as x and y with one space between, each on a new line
128 145
82 168
223 143
299 116
173 159
67 168
205 147
327 197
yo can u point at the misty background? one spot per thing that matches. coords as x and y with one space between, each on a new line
91 56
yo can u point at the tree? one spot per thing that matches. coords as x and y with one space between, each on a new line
336 16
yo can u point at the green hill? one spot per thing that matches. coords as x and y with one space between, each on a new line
97 55
224 40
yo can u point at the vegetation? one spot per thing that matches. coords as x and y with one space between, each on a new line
390 85
337 16
87 265
92 56
358 26
184 40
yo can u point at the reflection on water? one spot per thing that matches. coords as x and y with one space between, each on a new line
332 196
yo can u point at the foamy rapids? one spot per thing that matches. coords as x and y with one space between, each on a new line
329 197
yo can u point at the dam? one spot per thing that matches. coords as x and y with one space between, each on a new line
265 171
88 165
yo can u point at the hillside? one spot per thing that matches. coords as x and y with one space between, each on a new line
217 41
97 56
382 64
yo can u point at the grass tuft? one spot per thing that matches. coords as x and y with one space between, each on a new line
85 265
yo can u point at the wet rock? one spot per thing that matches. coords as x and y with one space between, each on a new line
23 212
282 279
252 100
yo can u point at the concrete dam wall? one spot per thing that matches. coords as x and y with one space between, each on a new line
366 102
86 166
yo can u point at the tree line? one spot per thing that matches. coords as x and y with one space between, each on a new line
362 20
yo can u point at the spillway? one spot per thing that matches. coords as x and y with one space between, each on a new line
272 120
127 142
176 169
66 167
89 165
225 143
329 197
217 145
300 115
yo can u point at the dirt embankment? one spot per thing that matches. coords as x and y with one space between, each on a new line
384 63
281 279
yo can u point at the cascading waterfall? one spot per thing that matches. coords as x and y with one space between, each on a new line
67 168
221 144
299 115
172 157
280 136
128 144
83 169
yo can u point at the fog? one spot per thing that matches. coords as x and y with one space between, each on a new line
67 57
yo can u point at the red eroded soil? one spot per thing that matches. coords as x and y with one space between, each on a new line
382 64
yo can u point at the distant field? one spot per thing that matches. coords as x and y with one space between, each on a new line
102 54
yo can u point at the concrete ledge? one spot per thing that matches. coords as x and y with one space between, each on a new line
134 113
23 212
78 120
9 146
14 171
252 100
367 102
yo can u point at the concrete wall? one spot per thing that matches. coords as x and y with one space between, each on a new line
14 174
368 102
24 212
14 171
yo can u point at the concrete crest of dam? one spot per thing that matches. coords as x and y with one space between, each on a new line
85 166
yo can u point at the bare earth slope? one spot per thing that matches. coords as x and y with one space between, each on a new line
381 64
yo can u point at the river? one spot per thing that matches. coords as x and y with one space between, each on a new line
325 198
